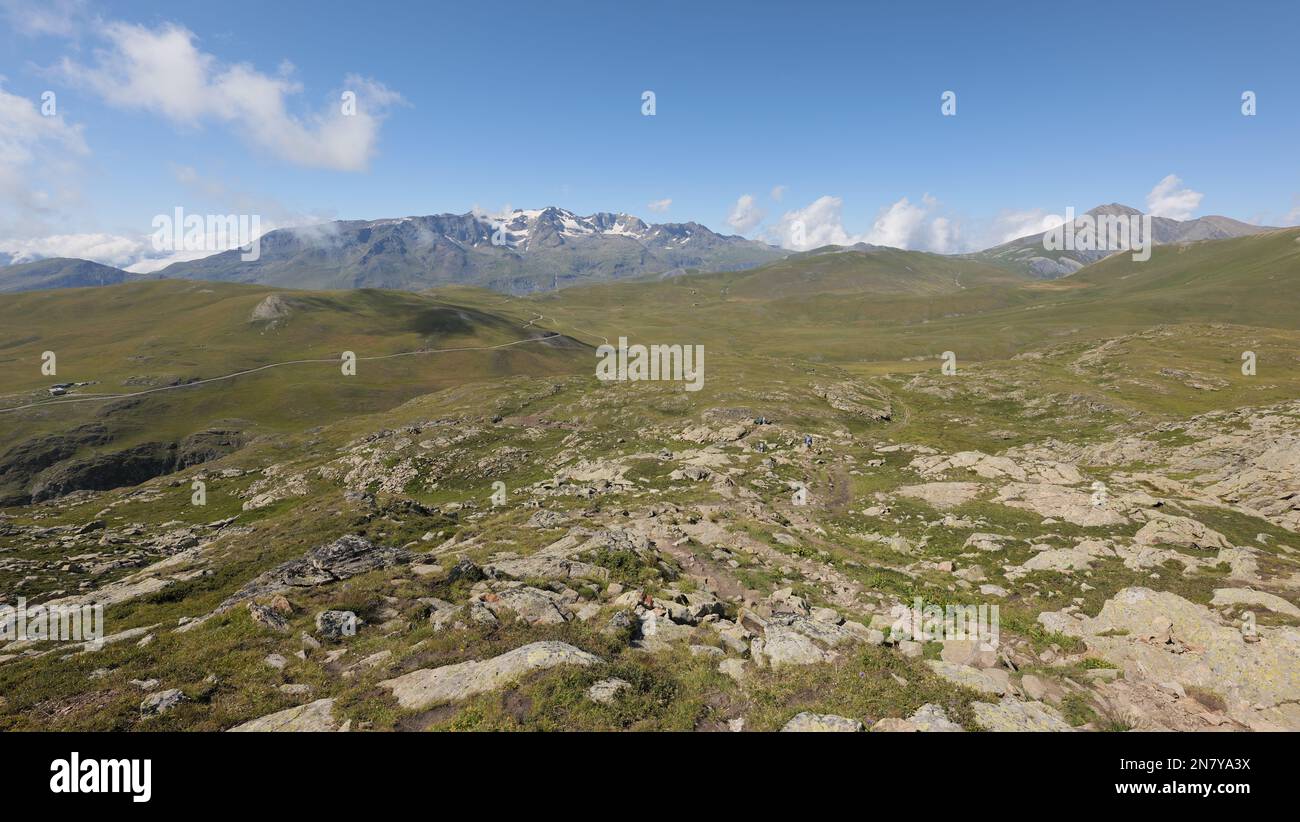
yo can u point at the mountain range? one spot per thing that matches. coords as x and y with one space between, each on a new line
59 272
1028 254
518 253
527 251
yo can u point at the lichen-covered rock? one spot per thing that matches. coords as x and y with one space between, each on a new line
314 716
1162 637
1014 715
822 723
450 683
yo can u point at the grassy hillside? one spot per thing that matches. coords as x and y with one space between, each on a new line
141 347
974 487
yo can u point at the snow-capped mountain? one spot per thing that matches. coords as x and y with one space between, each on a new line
518 252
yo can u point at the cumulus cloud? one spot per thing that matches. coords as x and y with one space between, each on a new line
660 206
777 193
817 224
39 159
162 70
1168 200
745 215
901 224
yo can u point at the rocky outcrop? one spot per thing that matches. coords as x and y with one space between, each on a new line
1162 637
132 466
1057 502
334 561
22 462
942 495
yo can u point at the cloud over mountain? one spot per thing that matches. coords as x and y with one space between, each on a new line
163 71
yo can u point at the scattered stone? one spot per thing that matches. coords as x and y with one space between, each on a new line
607 690
337 624
160 702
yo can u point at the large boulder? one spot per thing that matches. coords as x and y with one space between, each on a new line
1014 715
314 716
450 683
532 605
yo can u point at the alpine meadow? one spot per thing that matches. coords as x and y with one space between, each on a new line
722 367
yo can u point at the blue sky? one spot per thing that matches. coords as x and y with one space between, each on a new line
234 107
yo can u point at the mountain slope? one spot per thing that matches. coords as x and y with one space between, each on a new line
1245 280
58 272
151 367
1028 255
528 251
860 269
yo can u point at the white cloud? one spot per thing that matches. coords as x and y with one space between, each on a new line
109 249
163 71
745 215
660 206
135 251
39 158
1012 225
1293 216
57 18
1168 200
902 224
942 236
778 192
815 225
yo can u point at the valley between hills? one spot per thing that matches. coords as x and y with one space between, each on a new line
473 532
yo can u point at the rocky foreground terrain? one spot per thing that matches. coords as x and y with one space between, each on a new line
651 560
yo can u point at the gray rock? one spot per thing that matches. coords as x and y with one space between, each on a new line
734 668
335 561
1013 715
465 569
607 690
785 646
268 617
160 702
808 721
932 718
995 681
314 716
534 606
422 688
337 624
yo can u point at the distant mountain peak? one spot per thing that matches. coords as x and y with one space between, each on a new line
1030 255
518 251
1112 209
